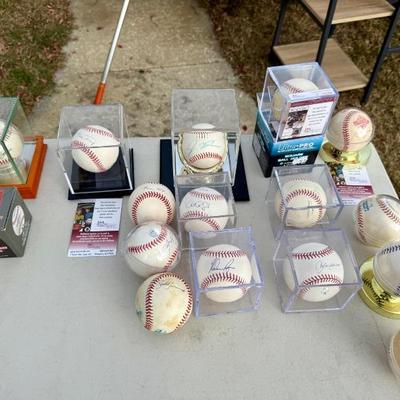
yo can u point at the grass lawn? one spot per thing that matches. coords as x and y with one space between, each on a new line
245 29
32 34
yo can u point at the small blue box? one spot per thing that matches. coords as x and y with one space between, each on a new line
308 143
271 153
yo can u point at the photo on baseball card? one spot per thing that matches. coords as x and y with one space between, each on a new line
352 182
95 228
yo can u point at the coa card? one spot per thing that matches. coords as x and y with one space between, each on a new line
95 229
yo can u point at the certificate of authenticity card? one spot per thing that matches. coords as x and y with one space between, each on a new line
95 229
352 182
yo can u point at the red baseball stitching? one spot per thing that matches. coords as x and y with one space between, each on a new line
202 134
98 131
318 279
302 192
148 195
223 277
391 249
292 89
171 260
225 253
202 156
345 129
204 218
360 223
149 245
149 301
207 196
189 306
78 145
388 211
309 255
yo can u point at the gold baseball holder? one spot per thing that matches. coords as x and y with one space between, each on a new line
332 155
374 296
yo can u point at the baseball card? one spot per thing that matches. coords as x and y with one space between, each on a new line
352 182
95 228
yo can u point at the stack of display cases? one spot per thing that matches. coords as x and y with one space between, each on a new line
21 153
293 114
205 138
98 164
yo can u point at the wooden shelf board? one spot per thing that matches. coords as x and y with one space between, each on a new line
336 63
350 10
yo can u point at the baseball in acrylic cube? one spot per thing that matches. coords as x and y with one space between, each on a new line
302 197
204 203
315 270
226 272
205 131
92 149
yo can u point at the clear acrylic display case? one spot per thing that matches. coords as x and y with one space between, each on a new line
17 144
203 211
205 121
297 100
313 209
95 165
329 293
241 238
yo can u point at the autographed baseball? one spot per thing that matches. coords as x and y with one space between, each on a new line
164 303
201 208
151 202
94 148
350 130
152 248
314 264
386 267
377 220
296 85
14 142
301 193
203 148
222 266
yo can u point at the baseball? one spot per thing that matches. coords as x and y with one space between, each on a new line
14 142
386 267
296 85
301 193
203 148
152 248
151 202
377 220
314 264
201 208
94 148
222 266
164 303
350 130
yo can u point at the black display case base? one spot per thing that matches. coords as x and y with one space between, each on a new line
240 189
113 183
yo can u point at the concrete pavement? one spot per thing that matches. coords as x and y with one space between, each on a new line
164 44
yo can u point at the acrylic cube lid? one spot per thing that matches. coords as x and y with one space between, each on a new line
217 107
310 73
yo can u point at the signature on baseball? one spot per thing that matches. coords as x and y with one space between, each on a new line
203 205
202 145
168 284
323 266
219 265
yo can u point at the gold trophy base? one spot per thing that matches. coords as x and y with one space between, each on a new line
330 154
374 296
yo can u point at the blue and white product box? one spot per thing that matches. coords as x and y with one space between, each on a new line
272 153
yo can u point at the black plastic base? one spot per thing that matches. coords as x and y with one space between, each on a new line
113 183
240 189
